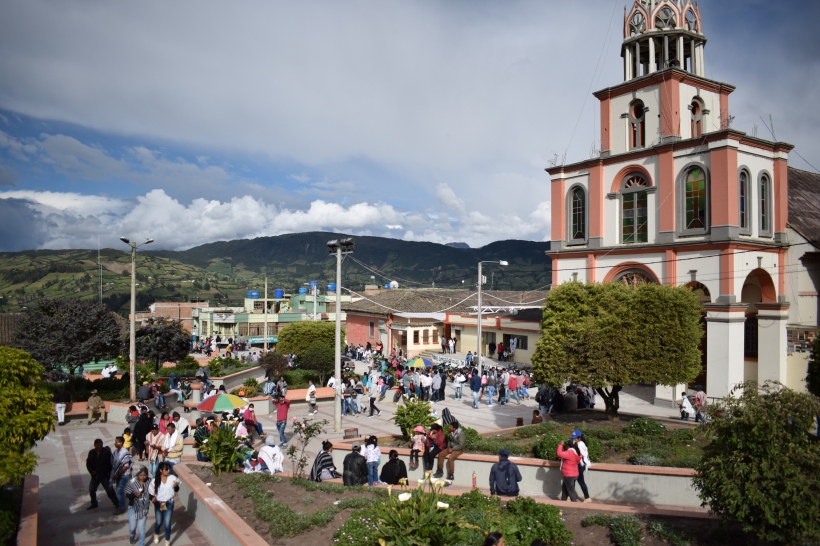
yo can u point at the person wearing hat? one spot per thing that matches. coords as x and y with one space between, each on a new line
355 467
201 434
95 405
504 476
417 446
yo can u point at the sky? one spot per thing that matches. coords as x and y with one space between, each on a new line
195 121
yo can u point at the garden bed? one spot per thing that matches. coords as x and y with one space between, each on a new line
638 441
241 492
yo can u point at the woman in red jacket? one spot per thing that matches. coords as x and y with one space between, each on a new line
570 459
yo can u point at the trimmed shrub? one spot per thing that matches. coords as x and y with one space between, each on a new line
547 446
645 427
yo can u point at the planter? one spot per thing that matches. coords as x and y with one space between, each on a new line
225 527
27 531
618 483
235 380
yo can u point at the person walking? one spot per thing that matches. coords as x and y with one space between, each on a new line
310 398
373 456
163 489
98 464
60 401
282 407
173 446
504 476
142 429
436 386
475 387
156 446
121 472
95 405
358 388
491 385
700 404
373 394
458 381
583 466
347 400
570 459
136 491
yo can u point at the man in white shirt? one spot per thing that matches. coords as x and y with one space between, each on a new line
458 381
686 409
331 383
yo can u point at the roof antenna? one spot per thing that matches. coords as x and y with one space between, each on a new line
771 122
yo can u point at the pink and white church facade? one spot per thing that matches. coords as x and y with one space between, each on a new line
676 196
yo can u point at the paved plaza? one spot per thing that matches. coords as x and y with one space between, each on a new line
65 521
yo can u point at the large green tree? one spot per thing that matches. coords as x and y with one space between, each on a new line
161 340
27 413
762 467
296 337
69 333
320 357
610 335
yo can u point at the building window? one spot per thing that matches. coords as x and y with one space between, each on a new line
765 205
697 118
634 215
520 341
435 335
243 328
695 199
578 215
750 337
371 331
415 337
426 336
637 126
743 203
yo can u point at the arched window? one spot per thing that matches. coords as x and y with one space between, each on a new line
634 217
695 199
743 201
666 18
691 23
697 118
633 277
765 205
637 126
578 215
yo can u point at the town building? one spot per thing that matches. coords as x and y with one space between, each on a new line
180 311
247 322
678 196
414 321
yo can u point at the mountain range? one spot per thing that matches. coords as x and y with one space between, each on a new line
224 270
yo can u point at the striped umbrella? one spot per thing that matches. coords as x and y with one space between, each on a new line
420 362
221 402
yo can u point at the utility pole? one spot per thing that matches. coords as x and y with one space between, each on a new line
478 324
339 248
315 297
265 306
132 349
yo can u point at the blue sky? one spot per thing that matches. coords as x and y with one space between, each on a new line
199 121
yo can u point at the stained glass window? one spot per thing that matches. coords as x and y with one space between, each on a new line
695 199
578 214
764 203
634 218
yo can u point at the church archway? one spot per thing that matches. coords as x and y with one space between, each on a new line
758 287
631 273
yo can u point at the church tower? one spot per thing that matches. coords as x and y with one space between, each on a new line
677 196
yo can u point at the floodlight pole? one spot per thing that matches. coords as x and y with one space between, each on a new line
337 356
478 324
132 342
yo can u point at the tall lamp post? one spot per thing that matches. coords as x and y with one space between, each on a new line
132 351
339 247
478 332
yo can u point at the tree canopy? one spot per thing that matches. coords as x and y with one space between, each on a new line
69 333
610 335
762 467
27 413
161 340
320 357
296 337
275 363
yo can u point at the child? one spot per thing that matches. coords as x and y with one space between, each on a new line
536 417
417 446
373 456
126 436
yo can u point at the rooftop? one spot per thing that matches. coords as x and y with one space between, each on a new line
431 300
804 204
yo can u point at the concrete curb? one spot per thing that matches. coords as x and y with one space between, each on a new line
27 532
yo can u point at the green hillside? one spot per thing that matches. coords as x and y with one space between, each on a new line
223 271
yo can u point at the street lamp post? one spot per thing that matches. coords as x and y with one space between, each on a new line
478 324
339 247
132 350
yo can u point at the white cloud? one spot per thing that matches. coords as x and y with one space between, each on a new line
72 220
